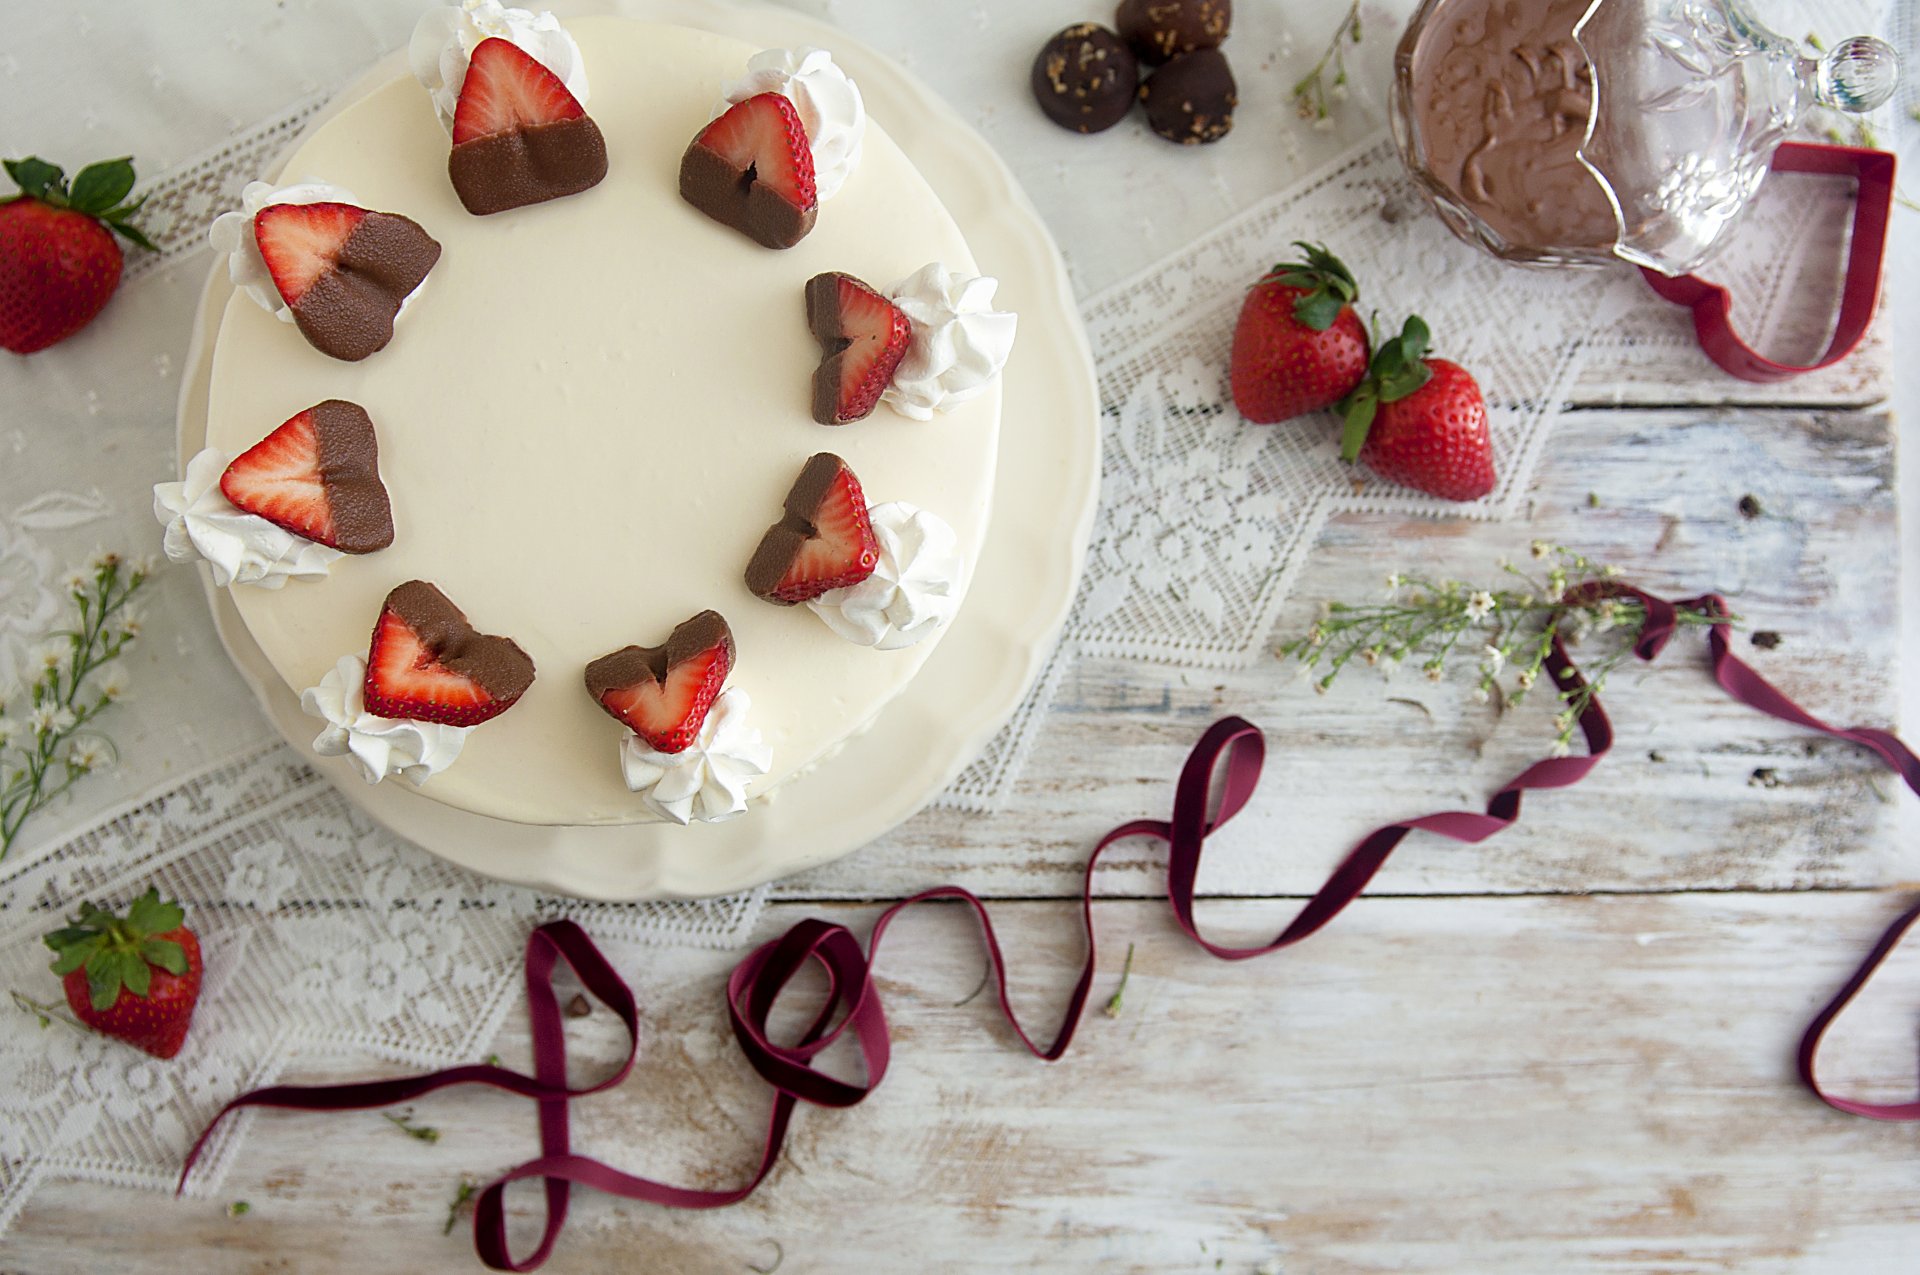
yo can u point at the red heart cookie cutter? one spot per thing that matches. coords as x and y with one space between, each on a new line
1872 171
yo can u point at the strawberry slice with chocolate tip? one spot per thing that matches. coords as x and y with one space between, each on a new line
863 336
343 271
428 664
752 169
519 136
318 476
825 540
663 692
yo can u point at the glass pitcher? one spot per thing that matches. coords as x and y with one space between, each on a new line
1559 132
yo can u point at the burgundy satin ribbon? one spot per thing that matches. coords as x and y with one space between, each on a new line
1712 304
1226 762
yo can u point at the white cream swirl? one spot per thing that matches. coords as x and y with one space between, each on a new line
232 235
377 746
827 102
959 344
445 38
242 548
707 780
914 589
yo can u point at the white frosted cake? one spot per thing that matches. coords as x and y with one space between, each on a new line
587 417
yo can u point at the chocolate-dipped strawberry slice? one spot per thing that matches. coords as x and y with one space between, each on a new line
752 169
663 692
318 476
428 664
825 541
343 271
863 336
519 137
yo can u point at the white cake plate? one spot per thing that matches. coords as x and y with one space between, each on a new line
1046 489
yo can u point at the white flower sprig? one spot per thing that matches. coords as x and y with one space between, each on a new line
1512 631
44 749
1314 95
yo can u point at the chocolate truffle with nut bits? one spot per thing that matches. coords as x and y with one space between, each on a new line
1190 100
1085 78
1161 30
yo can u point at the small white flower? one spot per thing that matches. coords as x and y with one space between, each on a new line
1480 605
1525 679
1605 618
102 559
1496 659
1541 549
1337 91
86 754
1610 571
1561 748
77 582
52 654
1393 583
131 622
1563 720
1371 655
1389 666
41 718
1433 672
63 719
144 564
114 684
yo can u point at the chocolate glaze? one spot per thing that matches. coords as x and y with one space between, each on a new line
631 665
1160 30
1499 102
528 166
348 312
1190 100
497 664
785 539
1084 78
350 476
732 197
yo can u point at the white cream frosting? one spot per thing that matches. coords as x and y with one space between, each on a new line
377 746
707 780
232 235
827 102
959 344
445 38
242 548
914 589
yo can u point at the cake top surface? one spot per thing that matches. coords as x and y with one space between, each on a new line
590 414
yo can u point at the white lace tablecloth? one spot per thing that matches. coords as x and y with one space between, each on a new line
323 932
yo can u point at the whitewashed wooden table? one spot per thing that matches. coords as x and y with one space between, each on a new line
1568 1049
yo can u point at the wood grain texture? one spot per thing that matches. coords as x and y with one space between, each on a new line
1522 1085
1701 792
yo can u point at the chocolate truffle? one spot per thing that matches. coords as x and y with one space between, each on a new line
1191 99
1085 77
1160 30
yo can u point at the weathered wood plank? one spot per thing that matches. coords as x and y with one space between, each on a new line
1574 1085
1701 792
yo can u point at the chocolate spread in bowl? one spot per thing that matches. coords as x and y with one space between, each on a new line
1499 95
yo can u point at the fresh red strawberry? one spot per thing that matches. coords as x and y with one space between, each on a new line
427 663
752 168
663 692
318 476
58 261
1298 346
863 336
1420 422
302 243
507 90
825 541
134 978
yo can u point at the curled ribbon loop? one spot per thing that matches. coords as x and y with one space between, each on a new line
1216 783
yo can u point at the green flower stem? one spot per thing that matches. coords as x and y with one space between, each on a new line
34 774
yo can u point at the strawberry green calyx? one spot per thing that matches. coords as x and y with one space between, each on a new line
1329 285
1396 372
99 190
120 951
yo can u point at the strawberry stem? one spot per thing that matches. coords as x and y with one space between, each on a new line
1397 370
1328 285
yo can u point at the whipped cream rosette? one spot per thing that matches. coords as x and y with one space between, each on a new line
444 40
958 345
377 746
827 102
915 587
707 780
241 548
